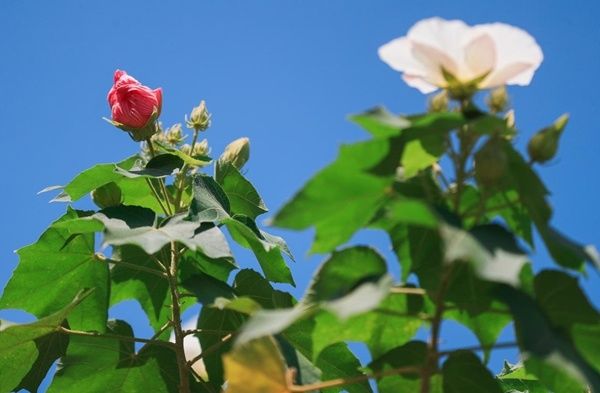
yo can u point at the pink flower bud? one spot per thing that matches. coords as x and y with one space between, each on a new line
132 104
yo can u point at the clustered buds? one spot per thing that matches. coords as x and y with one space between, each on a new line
237 153
174 135
543 145
200 118
107 195
199 149
439 102
498 100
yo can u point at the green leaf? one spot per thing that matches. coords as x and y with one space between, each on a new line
421 153
267 248
160 166
53 270
411 211
380 123
550 356
517 379
270 322
336 361
463 372
242 195
149 290
491 249
98 364
344 270
364 298
94 177
391 324
562 300
207 288
209 203
196 161
587 341
486 325
344 183
22 363
411 354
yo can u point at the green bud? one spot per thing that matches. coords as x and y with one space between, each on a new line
491 162
543 145
200 118
174 135
498 100
186 149
201 148
107 195
439 102
237 153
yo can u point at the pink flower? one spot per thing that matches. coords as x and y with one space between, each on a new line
132 104
438 53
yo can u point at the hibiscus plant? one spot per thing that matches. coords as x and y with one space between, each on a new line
461 205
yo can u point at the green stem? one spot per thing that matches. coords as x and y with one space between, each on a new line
168 211
182 174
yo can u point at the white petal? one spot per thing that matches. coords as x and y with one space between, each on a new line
433 60
418 82
397 54
447 36
480 55
514 49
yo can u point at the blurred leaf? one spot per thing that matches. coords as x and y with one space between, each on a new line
343 183
364 298
587 341
550 356
345 270
53 270
411 211
269 322
463 372
562 300
22 360
256 367
380 123
421 153
242 195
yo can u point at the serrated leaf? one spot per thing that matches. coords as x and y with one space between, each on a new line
242 195
256 367
20 346
463 372
53 270
267 248
345 182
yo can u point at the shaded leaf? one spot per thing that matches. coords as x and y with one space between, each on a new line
463 372
160 166
242 195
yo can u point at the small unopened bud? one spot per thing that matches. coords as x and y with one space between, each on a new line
491 162
107 195
237 153
510 118
201 148
174 135
543 145
200 118
186 149
498 100
439 102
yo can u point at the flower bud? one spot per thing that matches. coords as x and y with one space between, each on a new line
543 145
200 118
107 195
237 153
186 149
174 134
201 148
491 162
134 107
439 102
509 117
498 101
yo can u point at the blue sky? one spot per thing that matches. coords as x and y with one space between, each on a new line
285 74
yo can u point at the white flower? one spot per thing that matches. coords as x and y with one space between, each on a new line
191 345
496 53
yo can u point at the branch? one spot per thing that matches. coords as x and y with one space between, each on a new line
64 330
408 291
510 344
211 349
350 380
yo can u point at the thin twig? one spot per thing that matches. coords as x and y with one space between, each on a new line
350 380
136 267
156 196
64 330
408 291
211 349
